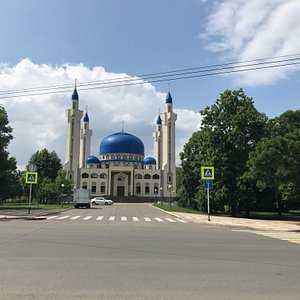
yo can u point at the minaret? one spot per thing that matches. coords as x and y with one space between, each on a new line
168 146
85 141
157 137
74 116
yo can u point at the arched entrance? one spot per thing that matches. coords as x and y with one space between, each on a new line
120 185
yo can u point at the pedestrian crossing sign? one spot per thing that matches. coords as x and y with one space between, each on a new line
207 173
31 177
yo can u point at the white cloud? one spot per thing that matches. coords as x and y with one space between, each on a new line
244 30
40 121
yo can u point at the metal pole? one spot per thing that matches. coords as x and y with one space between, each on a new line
208 208
30 189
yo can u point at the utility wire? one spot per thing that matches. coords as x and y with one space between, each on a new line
188 73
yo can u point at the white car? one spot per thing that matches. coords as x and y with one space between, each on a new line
101 201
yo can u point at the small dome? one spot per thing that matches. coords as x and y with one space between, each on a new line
169 98
158 121
92 160
86 118
75 95
149 161
121 142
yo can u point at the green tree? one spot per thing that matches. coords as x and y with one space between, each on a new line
48 164
8 165
275 163
66 186
230 130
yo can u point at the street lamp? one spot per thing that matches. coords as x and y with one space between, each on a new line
62 194
170 189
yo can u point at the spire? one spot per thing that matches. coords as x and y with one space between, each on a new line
122 125
75 94
158 120
169 97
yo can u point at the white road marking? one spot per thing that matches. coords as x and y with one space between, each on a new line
180 220
52 217
147 219
99 218
112 218
75 218
170 220
124 219
159 219
65 217
135 219
87 218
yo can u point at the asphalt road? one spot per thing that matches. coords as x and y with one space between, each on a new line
136 256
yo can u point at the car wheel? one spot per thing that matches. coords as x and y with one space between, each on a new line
94 203
106 203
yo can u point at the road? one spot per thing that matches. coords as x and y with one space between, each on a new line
141 254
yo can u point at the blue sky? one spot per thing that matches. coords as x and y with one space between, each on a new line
135 37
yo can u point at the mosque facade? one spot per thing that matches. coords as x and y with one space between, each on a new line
121 169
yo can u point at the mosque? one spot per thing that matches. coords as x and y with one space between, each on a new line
121 168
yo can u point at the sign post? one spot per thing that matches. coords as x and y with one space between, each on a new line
31 178
208 175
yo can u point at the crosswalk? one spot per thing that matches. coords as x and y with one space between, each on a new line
292 237
115 218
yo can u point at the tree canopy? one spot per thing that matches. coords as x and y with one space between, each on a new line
9 184
230 130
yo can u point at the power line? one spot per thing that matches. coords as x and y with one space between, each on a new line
188 73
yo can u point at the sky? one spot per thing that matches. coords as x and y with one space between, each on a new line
46 43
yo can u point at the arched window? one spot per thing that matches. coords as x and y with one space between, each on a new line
103 175
147 189
138 188
94 175
138 176
84 185
147 176
85 175
107 166
155 176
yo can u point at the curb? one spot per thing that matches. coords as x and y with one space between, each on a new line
168 212
7 218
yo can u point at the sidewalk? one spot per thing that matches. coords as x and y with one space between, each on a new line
241 223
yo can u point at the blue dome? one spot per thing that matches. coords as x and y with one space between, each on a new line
149 161
92 160
75 95
158 121
121 142
86 118
169 98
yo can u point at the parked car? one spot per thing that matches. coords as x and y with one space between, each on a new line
101 201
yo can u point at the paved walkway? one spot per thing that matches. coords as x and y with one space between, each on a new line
265 225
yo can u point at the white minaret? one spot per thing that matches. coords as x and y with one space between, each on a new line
157 137
74 116
168 146
85 141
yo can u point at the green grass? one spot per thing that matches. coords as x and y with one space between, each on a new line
17 206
